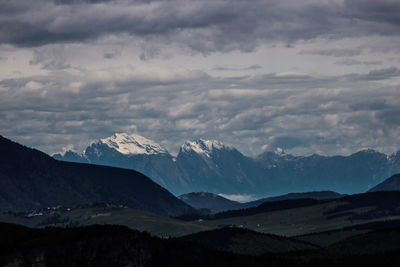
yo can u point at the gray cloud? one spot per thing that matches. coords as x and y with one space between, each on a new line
51 58
342 52
378 74
82 94
204 26
113 53
352 62
236 68
301 114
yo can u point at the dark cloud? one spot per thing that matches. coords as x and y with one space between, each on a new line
204 26
149 52
390 117
113 53
378 74
235 68
352 62
372 104
343 52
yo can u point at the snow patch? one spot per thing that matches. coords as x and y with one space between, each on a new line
204 147
129 144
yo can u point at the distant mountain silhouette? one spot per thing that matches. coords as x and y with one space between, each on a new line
318 195
390 184
30 179
205 200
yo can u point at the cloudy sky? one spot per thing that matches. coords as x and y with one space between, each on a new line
310 76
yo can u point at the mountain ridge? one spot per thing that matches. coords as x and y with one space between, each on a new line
212 166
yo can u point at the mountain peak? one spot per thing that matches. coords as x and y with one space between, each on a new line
132 144
202 146
279 151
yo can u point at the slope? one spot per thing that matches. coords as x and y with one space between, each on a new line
205 200
244 241
299 217
390 184
103 214
30 179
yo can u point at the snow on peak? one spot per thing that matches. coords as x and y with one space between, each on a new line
202 146
279 151
133 144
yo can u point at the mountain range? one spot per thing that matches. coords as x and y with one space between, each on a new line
212 166
30 179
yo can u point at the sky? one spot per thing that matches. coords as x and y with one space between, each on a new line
310 76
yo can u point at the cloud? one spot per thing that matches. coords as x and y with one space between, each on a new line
112 53
236 68
204 26
50 57
352 62
342 52
239 198
377 74
299 113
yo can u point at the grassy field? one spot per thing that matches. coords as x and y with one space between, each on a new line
288 220
298 221
134 219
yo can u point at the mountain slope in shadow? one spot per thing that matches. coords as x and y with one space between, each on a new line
30 179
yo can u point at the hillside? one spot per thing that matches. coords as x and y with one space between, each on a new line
104 214
104 246
244 241
30 179
328 238
318 195
299 217
205 200
390 184
119 246
214 202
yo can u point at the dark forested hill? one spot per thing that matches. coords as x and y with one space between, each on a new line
30 179
244 241
119 246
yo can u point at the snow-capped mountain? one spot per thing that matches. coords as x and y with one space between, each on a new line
209 162
133 144
212 166
204 147
131 151
121 143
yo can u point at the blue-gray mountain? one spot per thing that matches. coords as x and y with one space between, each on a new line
390 184
211 166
